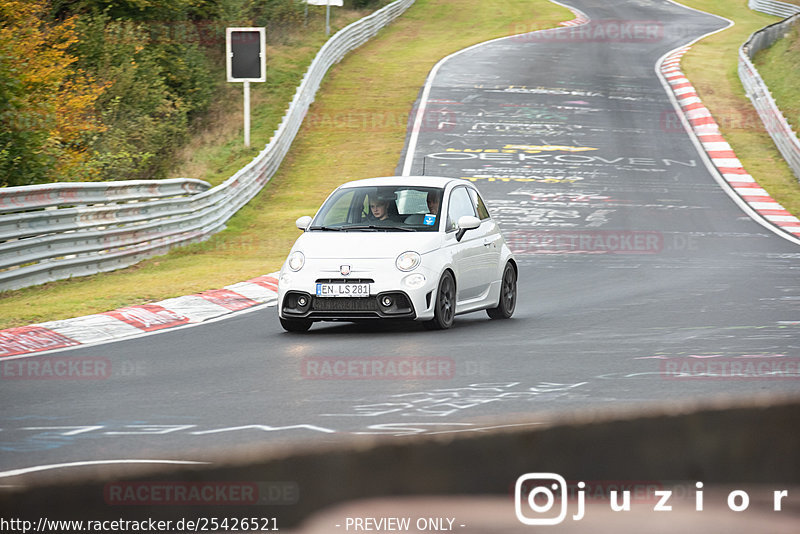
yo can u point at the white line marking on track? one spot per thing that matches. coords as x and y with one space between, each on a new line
423 100
35 468
482 428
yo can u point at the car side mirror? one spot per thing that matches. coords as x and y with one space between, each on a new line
303 223
466 222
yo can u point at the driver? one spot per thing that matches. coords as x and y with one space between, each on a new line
382 209
379 208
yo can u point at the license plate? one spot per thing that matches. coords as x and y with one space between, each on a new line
342 290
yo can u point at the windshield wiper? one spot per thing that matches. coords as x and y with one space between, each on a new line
363 227
376 227
330 228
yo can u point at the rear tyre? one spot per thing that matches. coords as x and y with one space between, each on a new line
295 325
444 311
508 295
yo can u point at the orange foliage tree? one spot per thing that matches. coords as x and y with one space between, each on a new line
47 105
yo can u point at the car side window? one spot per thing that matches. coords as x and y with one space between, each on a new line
460 204
337 213
480 207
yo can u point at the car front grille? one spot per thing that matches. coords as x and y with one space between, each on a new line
345 281
349 304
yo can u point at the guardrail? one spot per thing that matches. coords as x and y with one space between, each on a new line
776 124
56 231
773 7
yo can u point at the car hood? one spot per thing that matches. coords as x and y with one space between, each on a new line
364 245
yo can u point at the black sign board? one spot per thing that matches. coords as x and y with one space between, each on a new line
246 54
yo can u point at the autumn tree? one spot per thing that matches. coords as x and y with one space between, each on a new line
47 105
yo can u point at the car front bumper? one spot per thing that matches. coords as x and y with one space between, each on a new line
391 295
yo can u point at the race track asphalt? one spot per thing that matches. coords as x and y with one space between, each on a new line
634 265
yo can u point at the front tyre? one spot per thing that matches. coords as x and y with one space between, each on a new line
295 325
444 311
508 295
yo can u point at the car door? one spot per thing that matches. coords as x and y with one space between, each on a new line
492 239
466 253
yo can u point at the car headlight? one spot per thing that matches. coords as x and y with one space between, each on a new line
296 260
408 261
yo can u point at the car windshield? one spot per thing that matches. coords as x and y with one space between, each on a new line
395 208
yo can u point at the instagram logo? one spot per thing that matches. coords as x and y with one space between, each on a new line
535 496
541 498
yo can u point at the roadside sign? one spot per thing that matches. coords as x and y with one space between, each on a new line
246 61
246 55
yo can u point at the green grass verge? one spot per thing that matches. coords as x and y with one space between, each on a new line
779 67
712 67
356 128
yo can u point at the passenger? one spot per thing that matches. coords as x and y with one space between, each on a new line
434 200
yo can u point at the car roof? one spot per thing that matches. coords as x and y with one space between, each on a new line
420 181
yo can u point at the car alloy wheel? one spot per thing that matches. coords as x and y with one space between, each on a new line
444 311
508 295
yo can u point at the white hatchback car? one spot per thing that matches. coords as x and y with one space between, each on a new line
422 248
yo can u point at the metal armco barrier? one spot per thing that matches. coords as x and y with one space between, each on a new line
776 124
55 231
773 7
